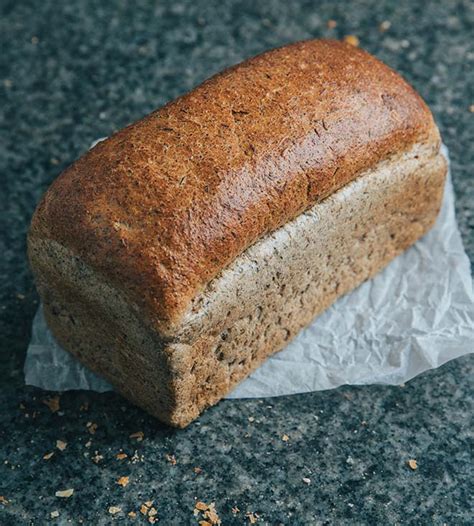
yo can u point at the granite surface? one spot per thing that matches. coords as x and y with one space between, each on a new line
74 71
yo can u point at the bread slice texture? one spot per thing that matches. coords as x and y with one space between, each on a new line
255 305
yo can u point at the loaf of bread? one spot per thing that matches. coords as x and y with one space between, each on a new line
176 256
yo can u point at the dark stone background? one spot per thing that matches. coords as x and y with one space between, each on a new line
71 72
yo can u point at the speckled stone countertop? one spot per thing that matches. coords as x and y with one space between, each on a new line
74 71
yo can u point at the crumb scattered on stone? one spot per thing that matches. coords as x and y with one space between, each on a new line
471 108
52 403
54 514
171 459
306 480
121 456
61 445
92 427
251 419
235 510
114 509
385 26
64 493
363 423
123 481
136 458
197 470
132 514
352 40
331 24
97 457
208 513
88 443
20 296
143 509
413 464
48 455
252 517
138 436
4 500
285 438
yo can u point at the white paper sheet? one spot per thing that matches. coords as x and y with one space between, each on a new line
415 315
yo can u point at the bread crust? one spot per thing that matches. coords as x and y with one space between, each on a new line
163 206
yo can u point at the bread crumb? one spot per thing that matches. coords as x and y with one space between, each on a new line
97 457
171 459
251 419
92 427
413 464
285 438
52 403
331 24
88 443
197 470
209 513
123 481
132 514
149 503
152 512
54 514
471 108
143 509
235 510
64 493
4 500
306 480
352 40
151 520
61 445
252 517
385 26
121 456
138 435
48 455
114 509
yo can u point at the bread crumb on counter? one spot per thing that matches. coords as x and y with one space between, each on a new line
61 445
352 40
138 436
123 481
331 24
413 464
65 493
385 26
52 403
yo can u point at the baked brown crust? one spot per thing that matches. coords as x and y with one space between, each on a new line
164 205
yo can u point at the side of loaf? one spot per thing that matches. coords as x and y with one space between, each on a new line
175 305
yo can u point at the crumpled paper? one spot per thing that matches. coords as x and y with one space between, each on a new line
415 315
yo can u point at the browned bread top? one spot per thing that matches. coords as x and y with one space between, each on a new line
162 206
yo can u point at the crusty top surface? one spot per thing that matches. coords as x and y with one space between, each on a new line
162 206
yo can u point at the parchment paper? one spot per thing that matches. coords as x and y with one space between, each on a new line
415 315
